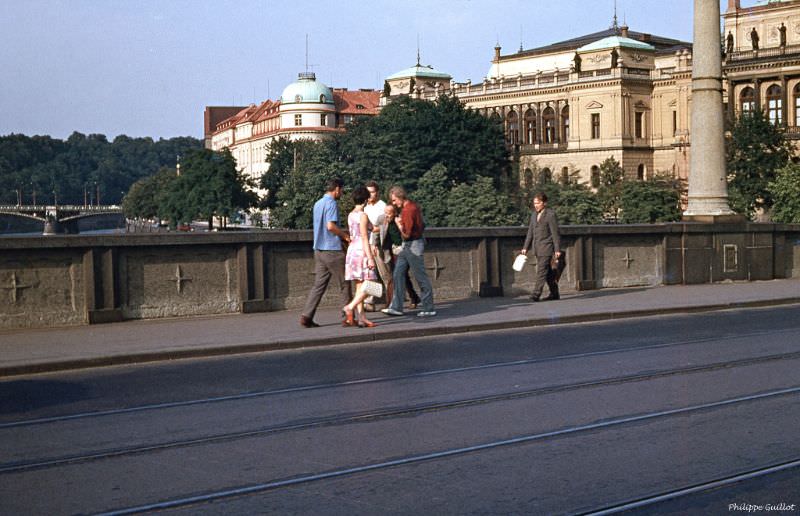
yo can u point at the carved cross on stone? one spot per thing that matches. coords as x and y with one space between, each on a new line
15 288
436 267
627 259
179 278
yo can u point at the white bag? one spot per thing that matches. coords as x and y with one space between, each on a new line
372 288
519 262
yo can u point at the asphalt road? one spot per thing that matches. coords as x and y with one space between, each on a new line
573 419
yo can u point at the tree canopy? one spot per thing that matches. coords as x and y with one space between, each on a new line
76 169
209 186
755 150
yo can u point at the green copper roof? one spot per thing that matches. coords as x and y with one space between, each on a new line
419 71
307 90
615 42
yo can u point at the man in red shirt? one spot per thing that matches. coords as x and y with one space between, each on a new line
411 226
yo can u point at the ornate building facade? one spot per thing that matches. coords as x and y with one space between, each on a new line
306 109
762 61
569 106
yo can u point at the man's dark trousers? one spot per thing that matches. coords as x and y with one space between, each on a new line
327 265
544 273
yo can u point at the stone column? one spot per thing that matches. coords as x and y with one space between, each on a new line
708 188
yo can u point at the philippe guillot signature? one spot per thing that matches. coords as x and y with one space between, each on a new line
770 507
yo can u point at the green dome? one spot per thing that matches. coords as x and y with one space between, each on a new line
616 42
419 71
307 90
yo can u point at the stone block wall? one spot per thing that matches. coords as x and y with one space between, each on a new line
75 279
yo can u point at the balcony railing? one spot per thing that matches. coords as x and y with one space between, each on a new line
763 53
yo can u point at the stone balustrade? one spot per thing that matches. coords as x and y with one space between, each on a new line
74 279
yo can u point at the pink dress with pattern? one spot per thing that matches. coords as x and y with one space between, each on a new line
355 265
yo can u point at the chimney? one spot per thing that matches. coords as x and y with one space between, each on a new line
623 31
734 5
497 53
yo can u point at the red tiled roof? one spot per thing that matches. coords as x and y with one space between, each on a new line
360 102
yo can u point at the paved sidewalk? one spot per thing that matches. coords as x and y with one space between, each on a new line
34 351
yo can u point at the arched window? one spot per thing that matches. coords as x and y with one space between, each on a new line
512 128
549 122
640 172
595 176
797 105
775 104
564 175
530 127
528 178
747 101
545 176
565 124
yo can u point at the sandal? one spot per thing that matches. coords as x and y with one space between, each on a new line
348 318
366 324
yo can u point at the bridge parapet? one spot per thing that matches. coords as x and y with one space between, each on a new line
77 279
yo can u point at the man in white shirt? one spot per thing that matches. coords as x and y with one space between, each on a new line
375 213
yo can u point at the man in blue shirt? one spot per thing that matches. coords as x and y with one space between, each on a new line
328 254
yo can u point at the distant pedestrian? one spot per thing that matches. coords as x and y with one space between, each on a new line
411 226
360 261
328 254
391 245
544 238
375 211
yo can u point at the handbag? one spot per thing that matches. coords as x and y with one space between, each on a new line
558 265
372 288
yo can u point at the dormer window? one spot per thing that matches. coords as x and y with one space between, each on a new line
360 106
298 98
322 99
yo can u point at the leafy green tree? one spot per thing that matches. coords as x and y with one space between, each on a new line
610 191
432 193
79 167
785 192
650 201
209 185
410 136
577 204
755 150
480 204
305 184
145 197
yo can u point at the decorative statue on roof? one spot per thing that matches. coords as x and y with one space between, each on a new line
782 31
577 63
729 44
754 38
614 57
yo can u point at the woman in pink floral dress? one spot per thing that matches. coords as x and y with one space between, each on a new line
359 263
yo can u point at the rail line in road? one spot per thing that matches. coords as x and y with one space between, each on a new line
376 380
374 415
255 489
695 489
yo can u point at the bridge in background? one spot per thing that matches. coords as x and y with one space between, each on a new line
55 219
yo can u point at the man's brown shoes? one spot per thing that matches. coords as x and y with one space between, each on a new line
307 322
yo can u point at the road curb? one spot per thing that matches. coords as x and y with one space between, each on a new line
365 336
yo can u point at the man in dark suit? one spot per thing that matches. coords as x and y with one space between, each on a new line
543 236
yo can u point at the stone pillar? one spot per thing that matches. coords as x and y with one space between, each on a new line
708 188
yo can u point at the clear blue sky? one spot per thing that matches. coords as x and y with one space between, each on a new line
149 67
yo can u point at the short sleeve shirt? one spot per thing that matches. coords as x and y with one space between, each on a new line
326 210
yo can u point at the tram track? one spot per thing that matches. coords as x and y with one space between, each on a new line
375 380
702 487
411 459
382 414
